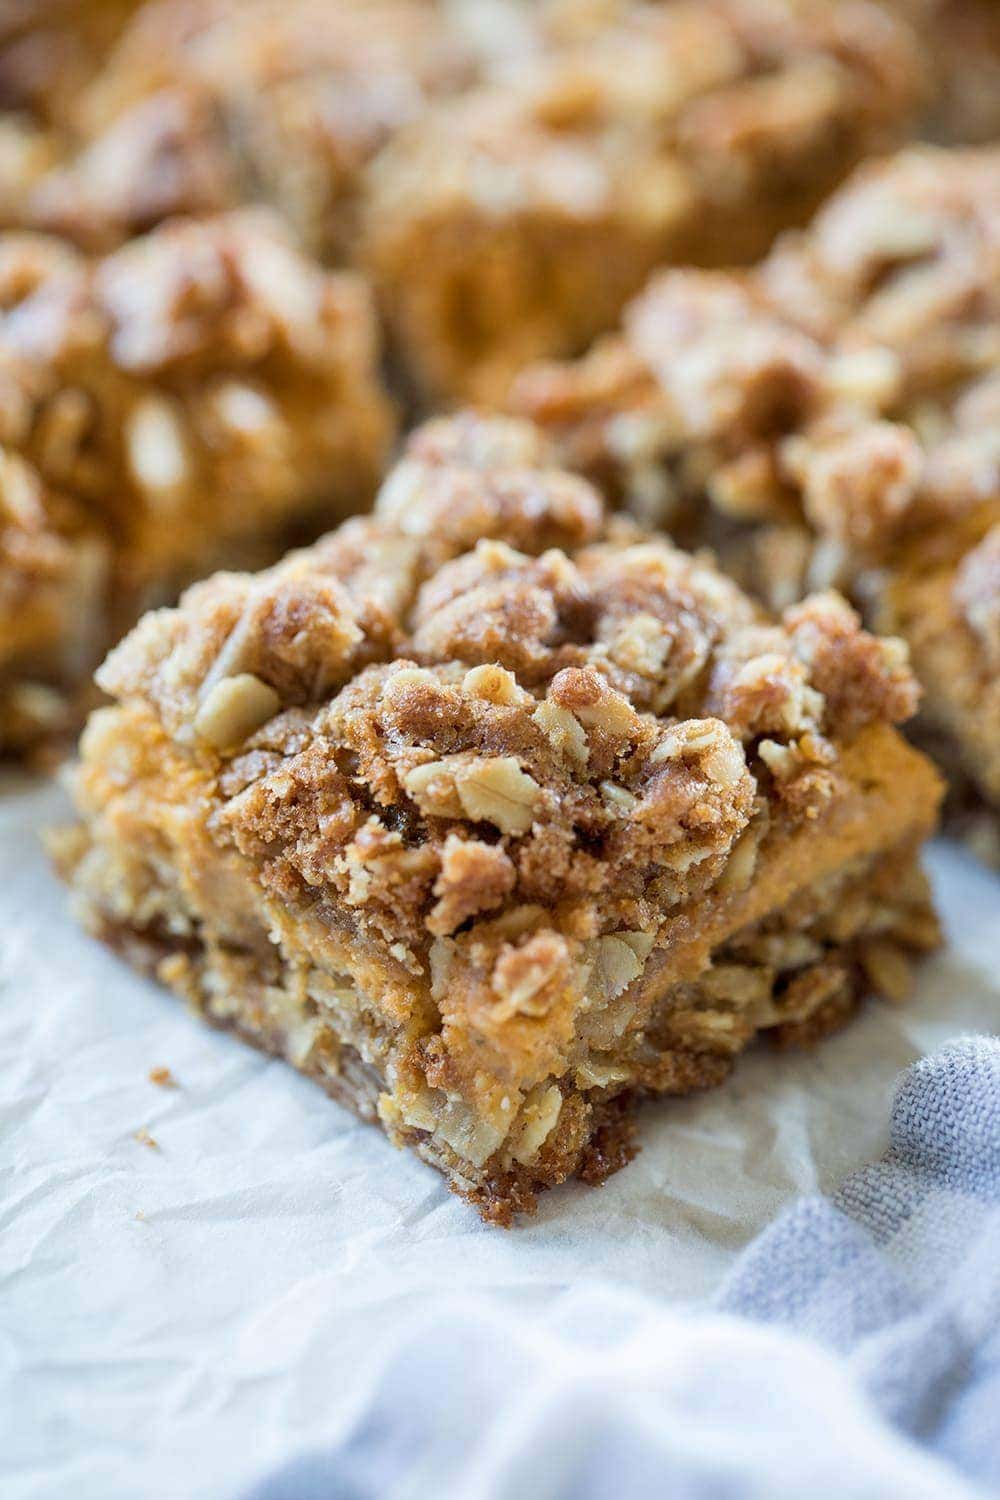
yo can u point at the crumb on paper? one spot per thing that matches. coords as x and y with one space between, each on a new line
144 1138
163 1078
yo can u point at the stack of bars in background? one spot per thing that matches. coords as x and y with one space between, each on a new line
572 766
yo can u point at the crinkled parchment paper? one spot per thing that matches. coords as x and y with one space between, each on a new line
177 1318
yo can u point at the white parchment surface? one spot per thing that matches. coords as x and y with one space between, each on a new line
175 1320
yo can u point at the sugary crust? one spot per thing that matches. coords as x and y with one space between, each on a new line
534 209
903 257
234 49
503 800
194 398
869 342
824 418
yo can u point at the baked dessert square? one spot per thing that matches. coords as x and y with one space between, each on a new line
832 417
514 222
205 396
164 156
495 815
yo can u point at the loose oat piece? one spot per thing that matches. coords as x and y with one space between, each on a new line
830 418
513 223
546 815
200 398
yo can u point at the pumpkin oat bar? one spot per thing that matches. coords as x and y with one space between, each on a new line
496 815
204 396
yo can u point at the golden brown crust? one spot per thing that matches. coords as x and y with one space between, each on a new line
53 619
492 805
